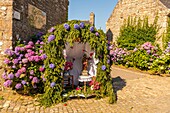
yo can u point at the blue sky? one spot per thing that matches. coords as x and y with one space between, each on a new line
80 10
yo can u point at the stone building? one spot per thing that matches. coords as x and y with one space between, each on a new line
22 18
138 8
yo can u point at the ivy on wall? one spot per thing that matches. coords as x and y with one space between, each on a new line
136 32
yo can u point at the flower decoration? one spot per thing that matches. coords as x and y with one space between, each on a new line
82 25
78 88
94 85
52 84
76 26
7 61
35 80
31 72
23 82
4 75
18 86
31 43
97 34
92 29
67 27
41 69
52 66
51 38
8 83
11 76
103 67
52 29
68 66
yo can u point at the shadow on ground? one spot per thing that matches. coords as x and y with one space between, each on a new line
118 84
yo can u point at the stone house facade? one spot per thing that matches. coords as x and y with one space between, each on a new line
22 18
138 8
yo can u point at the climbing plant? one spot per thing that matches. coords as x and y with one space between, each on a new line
136 32
55 41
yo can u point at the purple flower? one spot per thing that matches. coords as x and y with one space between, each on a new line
103 67
168 44
31 43
148 51
82 25
51 30
92 28
9 52
35 80
21 55
108 61
31 72
41 46
4 75
23 82
17 53
40 51
52 66
17 49
67 27
97 34
17 74
30 77
7 61
39 34
51 38
11 76
18 86
76 26
25 60
43 57
110 47
52 84
8 83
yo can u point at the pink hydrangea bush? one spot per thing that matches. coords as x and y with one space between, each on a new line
24 67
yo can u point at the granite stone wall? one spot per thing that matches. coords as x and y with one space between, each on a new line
5 25
138 8
23 18
38 15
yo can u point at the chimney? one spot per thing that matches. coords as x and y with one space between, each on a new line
92 19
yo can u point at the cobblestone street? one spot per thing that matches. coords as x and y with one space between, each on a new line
146 94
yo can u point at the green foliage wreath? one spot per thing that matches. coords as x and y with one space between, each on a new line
55 41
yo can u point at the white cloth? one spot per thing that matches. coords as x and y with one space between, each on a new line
92 64
77 53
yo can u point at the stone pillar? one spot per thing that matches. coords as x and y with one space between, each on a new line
6 11
92 19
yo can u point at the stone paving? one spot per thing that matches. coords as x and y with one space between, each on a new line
146 94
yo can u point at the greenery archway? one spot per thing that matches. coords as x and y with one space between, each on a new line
55 41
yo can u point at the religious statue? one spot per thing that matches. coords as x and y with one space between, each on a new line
85 64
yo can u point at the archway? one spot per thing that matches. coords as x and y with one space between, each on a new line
55 40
